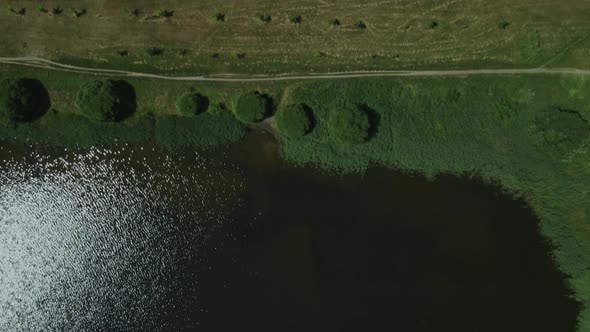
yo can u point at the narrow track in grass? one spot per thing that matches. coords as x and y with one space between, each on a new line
48 64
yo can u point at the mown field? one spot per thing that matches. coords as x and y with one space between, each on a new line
531 134
397 34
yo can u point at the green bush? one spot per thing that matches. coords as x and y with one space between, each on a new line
360 25
191 104
131 12
335 22
22 100
265 18
154 51
294 121
295 19
164 13
218 17
106 100
77 13
251 107
560 131
349 125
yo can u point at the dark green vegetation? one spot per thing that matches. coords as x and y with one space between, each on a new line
349 125
528 133
192 104
294 120
106 100
297 19
22 100
252 107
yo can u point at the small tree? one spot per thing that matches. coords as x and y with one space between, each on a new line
251 107
105 100
77 12
131 12
56 11
293 121
22 100
164 13
190 104
434 24
218 17
20 12
504 25
349 125
238 56
42 9
360 25
334 22
154 51
296 19
265 18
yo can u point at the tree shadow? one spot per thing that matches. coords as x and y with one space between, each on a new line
202 104
311 117
374 120
41 101
128 100
271 105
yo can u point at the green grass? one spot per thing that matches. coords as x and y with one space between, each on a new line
398 35
528 133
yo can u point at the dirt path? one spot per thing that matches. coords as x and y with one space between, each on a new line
48 64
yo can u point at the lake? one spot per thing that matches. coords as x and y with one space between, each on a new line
136 238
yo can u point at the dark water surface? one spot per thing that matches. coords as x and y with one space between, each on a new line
135 239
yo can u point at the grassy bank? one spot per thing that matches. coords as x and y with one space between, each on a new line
156 118
529 133
260 38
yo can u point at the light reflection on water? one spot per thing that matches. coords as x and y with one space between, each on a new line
101 240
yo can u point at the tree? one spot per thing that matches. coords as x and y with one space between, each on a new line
293 121
218 16
252 107
22 100
360 25
295 19
265 18
349 125
154 51
106 100
190 104
334 22
164 13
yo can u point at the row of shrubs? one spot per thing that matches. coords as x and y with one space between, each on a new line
26 100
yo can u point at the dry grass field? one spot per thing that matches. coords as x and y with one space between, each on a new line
399 34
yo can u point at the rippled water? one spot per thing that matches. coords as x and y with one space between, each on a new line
100 240
132 238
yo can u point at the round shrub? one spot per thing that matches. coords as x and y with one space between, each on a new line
22 100
251 107
293 121
191 104
106 100
349 125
